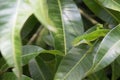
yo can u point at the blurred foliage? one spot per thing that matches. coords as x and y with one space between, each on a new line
37 39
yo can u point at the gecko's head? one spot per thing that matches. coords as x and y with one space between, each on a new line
99 26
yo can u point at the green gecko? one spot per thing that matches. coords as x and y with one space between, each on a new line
92 36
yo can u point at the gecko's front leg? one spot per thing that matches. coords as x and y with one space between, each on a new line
90 44
84 41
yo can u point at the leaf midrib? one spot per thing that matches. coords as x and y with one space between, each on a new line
65 45
107 11
16 64
75 66
106 54
42 75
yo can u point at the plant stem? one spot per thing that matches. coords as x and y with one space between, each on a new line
88 17
34 35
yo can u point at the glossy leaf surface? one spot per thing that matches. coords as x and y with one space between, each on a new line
81 63
66 24
99 10
108 50
111 4
12 18
39 70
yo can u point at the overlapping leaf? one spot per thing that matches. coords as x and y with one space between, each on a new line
31 51
115 69
44 38
111 4
39 70
13 14
11 76
3 66
98 76
111 17
108 50
76 64
62 16
29 25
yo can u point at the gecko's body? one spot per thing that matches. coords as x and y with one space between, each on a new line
87 38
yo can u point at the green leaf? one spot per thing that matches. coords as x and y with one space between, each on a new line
31 51
44 38
101 11
98 76
115 69
111 4
40 9
118 59
11 76
76 64
13 14
65 19
39 70
29 25
108 50
3 65
54 52
118 1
